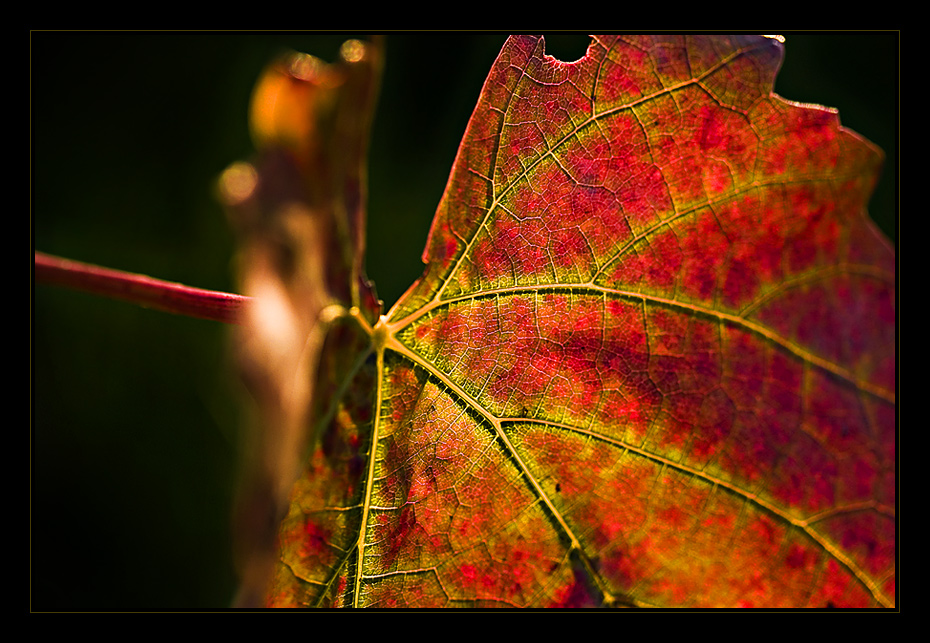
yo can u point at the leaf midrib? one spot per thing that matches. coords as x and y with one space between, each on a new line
738 321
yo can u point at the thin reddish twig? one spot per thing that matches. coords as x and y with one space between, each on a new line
139 289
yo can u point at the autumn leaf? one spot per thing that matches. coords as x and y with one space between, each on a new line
651 360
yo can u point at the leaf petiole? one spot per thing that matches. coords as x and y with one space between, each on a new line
139 289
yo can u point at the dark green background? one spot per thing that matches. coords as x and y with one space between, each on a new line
135 413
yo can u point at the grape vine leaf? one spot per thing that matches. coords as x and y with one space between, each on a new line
651 360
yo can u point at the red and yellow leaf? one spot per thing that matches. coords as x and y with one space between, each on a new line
651 360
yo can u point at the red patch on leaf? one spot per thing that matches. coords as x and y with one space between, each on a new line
316 538
799 557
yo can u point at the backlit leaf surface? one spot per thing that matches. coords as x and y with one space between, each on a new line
651 360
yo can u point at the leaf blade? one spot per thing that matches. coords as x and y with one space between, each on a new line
505 257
